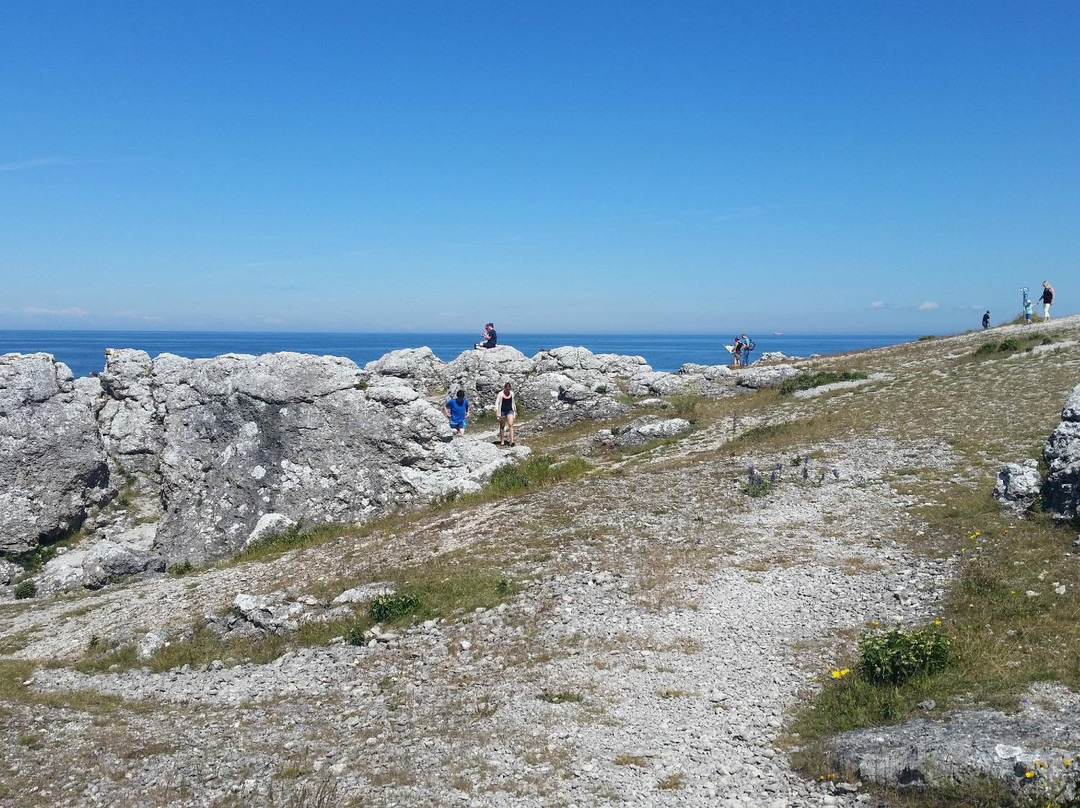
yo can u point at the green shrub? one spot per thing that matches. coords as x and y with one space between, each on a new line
181 569
894 656
355 634
25 589
987 348
1009 344
390 607
804 381
601 389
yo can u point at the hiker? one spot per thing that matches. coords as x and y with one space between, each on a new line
737 352
489 337
986 319
1029 310
457 410
506 412
747 347
1047 298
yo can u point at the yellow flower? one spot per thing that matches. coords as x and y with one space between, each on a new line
1029 775
937 622
1067 762
840 674
873 622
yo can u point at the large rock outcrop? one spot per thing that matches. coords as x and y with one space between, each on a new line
293 434
1061 492
52 462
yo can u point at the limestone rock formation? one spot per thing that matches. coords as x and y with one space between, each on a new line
1018 485
643 430
756 377
969 746
52 461
419 367
483 372
1062 452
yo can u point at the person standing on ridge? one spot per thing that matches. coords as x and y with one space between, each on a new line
457 410
737 352
1047 298
1029 310
489 337
986 319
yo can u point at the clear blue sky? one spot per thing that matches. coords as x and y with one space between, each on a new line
586 166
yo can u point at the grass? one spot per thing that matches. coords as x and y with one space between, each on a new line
806 381
437 588
1002 639
560 697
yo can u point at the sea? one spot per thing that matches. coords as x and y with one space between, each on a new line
84 351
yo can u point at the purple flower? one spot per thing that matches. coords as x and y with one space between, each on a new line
772 477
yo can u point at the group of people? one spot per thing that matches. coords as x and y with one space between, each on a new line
457 411
1046 298
741 350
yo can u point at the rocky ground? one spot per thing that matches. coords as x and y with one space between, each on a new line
662 628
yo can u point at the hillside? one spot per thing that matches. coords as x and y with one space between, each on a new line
600 625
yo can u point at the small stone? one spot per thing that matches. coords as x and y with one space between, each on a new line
927 705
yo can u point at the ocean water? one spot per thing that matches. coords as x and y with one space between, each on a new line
84 351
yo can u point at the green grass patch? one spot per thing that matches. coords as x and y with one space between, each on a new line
1010 345
806 381
560 696
535 472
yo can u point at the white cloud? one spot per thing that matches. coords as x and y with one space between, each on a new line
26 165
877 304
927 305
71 311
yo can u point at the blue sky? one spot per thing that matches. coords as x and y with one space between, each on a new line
552 166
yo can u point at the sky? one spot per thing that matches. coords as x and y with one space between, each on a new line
584 166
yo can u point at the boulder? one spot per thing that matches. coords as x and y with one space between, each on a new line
757 377
659 383
482 372
270 613
420 368
365 593
53 467
1018 485
775 356
712 373
565 401
966 748
622 366
268 524
94 564
150 643
1061 492
643 430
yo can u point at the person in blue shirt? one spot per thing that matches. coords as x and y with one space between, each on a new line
457 410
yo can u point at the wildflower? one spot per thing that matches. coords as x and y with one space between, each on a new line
806 472
836 474
1066 762
772 477
874 623
937 622
1029 774
840 674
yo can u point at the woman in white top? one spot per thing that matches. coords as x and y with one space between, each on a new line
506 412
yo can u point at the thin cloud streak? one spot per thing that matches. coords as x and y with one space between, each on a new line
27 165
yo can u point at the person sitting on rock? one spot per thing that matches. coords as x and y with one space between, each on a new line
489 337
457 410
506 412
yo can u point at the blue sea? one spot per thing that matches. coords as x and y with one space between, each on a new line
84 351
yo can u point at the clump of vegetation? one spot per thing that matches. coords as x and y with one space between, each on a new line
894 656
685 405
805 381
560 696
181 569
536 471
356 635
1011 345
756 484
25 589
390 607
